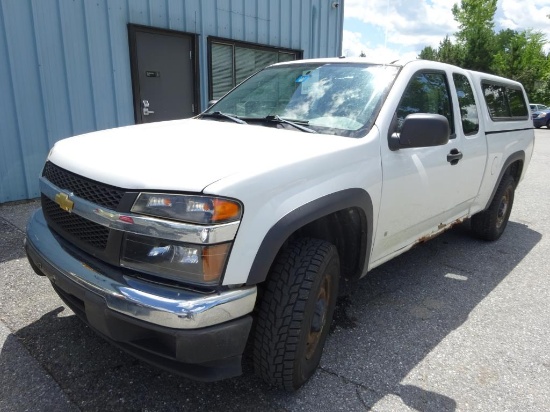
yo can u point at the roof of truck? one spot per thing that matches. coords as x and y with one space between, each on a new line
399 63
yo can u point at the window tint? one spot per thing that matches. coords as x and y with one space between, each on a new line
426 93
518 108
495 96
504 102
467 104
233 62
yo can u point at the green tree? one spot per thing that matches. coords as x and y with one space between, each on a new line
516 55
447 52
507 61
476 32
428 53
450 53
520 56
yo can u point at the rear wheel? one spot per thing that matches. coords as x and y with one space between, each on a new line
295 313
490 224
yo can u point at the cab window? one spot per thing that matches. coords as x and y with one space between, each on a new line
467 104
427 92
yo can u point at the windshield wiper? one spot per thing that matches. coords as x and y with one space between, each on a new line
298 126
221 115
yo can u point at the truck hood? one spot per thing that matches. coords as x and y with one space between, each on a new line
186 155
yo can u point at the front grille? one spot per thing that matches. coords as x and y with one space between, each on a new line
95 192
84 230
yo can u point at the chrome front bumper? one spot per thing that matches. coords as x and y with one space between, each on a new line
157 304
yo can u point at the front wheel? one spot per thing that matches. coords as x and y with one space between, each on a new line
490 224
295 313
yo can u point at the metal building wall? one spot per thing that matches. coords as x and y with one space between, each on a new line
65 67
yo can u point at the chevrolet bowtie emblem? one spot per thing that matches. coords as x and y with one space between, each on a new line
64 202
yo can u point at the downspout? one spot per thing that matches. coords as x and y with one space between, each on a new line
341 31
312 37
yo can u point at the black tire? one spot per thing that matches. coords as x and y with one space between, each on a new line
490 224
295 313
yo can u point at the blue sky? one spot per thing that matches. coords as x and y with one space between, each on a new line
390 29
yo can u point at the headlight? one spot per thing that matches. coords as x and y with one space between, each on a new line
188 208
192 263
541 115
178 261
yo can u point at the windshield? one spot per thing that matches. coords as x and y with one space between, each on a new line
340 98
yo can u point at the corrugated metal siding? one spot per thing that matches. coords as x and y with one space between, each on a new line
65 67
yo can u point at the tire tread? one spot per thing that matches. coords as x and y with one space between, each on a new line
282 309
483 224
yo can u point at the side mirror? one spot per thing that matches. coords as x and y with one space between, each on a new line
421 130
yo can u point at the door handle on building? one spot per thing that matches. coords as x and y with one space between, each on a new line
145 109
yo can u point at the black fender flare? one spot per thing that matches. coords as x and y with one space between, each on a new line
514 157
307 213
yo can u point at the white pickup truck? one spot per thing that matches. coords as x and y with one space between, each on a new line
182 241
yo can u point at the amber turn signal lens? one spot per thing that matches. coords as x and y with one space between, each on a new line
213 261
225 210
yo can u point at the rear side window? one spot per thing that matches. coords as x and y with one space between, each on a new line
505 102
467 104
518 108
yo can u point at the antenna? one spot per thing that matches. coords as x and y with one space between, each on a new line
386 28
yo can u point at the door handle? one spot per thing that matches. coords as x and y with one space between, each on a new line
145 110
454 156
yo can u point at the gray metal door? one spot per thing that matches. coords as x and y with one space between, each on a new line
163 68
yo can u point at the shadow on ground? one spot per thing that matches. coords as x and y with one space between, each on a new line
402 310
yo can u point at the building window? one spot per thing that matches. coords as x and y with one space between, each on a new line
232 62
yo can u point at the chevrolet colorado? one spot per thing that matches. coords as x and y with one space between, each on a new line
181 241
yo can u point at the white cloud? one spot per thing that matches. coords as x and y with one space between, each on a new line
354 44
415 23
525 15
411 25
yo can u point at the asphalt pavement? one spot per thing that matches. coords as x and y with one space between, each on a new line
456 324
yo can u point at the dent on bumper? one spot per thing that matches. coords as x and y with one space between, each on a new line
153 303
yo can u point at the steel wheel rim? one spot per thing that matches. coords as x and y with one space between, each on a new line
319 318
503 208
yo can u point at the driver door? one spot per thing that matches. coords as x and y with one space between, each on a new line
419 184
